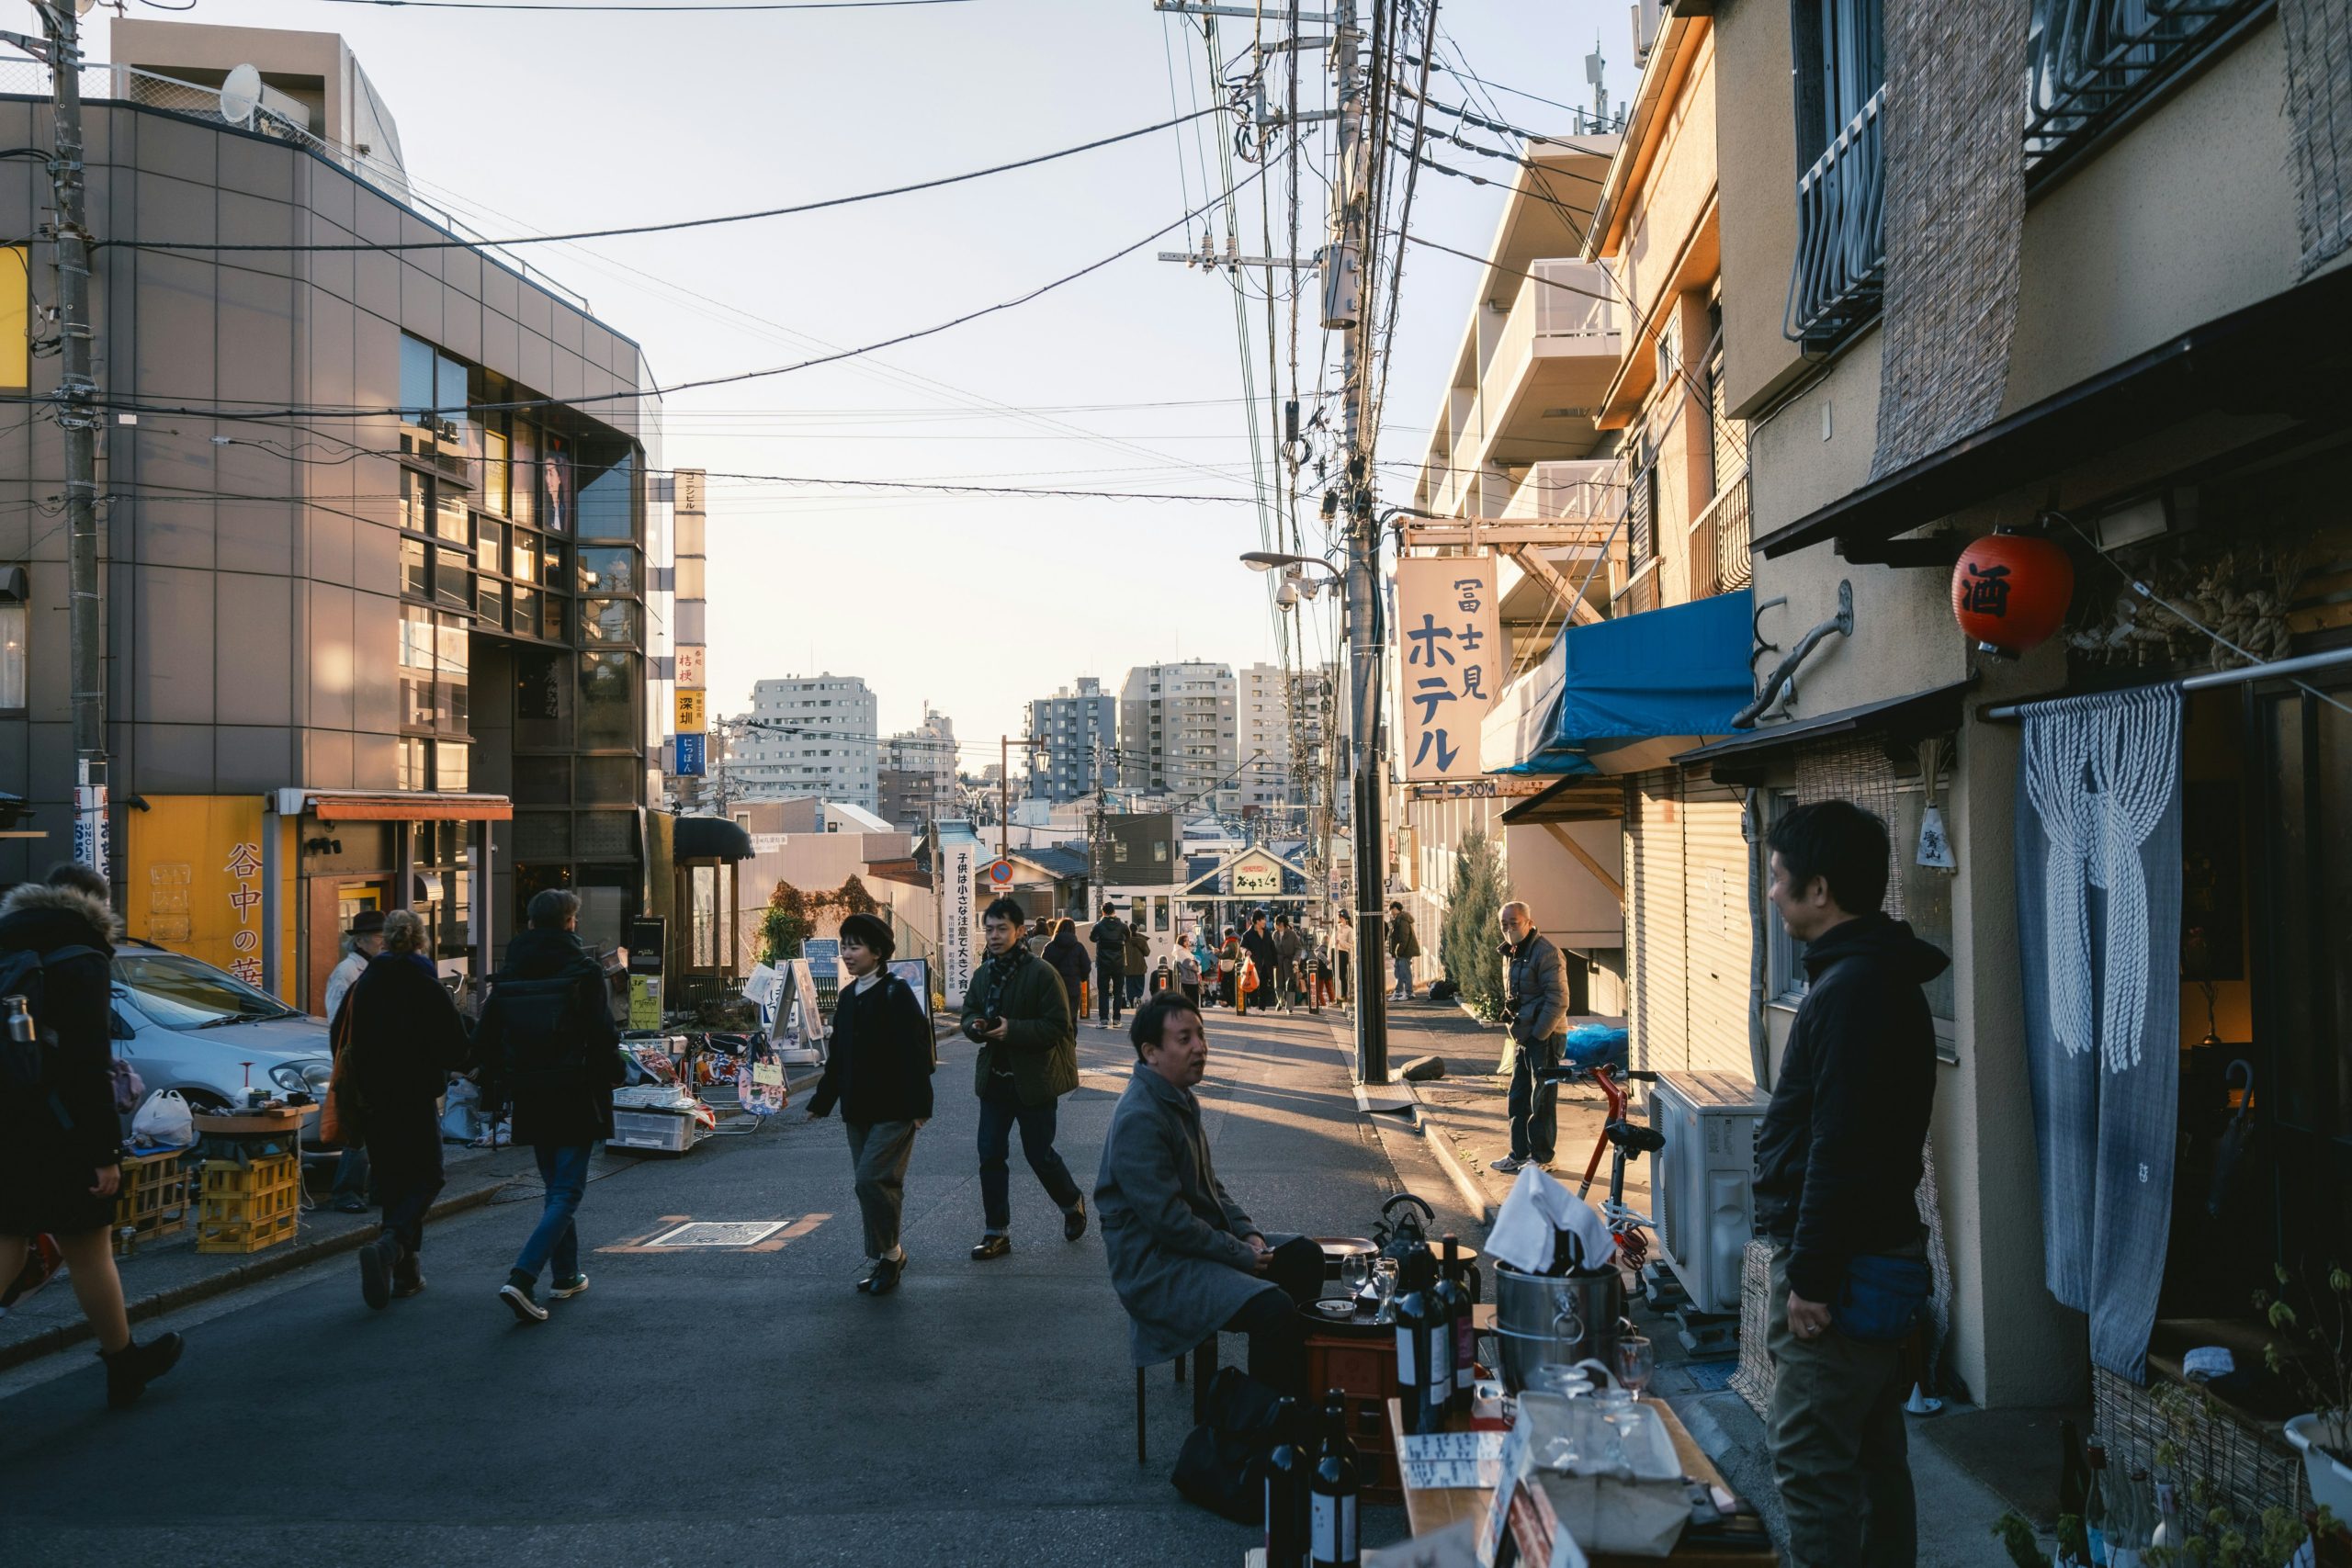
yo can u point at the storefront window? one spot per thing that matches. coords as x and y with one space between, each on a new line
608 702
543 699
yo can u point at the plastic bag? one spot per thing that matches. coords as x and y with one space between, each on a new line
163 1122
458 1121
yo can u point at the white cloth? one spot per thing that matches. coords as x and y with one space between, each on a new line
1536 1207
345 975
866 982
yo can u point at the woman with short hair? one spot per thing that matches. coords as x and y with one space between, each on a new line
877 1069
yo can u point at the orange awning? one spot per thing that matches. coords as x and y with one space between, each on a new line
421 806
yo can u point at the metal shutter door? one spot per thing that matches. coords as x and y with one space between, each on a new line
1716 906
1661 1038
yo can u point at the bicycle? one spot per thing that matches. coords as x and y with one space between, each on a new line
1627 1140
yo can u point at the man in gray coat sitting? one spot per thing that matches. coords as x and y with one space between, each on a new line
1184 1258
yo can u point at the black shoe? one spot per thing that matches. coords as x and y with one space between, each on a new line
351 1206
1074 1222
991 1246
408 1276
376 1272
885 1278
133 1368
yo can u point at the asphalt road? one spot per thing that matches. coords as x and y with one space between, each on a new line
703 1407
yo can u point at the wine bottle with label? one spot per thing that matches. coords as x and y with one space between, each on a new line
1332 1491
1424 1343
1287 1488
1454 1297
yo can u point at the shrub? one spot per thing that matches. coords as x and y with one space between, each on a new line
1469 941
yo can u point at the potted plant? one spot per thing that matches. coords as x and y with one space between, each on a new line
2312 1325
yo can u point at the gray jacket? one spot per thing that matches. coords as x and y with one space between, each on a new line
1173 1234
1539 990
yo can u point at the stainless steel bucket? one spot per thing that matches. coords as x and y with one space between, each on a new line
1542 1319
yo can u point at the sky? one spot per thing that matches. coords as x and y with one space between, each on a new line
1129 379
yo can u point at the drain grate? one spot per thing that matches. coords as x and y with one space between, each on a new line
719 1233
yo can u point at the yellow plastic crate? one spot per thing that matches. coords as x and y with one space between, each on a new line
237 1236
153 1201
233 1179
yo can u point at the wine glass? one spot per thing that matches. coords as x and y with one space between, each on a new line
1354 1268
1384 1283
1636 1363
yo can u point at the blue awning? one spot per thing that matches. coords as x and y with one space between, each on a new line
1623 695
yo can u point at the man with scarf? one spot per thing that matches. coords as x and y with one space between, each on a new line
1017 1012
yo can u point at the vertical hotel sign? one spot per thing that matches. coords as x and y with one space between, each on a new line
958 920
1448 662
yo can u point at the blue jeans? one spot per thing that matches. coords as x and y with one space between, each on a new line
351 1175
1000 1111
564 1168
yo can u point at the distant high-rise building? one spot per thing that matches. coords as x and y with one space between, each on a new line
1285 724
807 735
917 781
1176 733
1079 729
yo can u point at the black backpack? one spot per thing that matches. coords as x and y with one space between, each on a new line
542 1030
1223 1464
29 1067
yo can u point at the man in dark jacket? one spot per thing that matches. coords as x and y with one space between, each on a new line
877 1069
547 1047
1837 1168
1404 946
406 1039
1028 1060
1110 939
61 1144
1287 948
1258 943
1138 959
1537 998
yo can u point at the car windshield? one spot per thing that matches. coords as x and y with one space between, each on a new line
186 993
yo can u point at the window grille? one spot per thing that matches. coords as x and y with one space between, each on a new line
1840 50
2088 61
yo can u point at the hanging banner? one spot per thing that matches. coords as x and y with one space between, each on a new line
958 920
690 666
691 756
1449 663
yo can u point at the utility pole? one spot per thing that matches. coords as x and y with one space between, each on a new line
1342 311
1004 787
76 392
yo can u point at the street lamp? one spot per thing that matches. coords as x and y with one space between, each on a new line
1297 584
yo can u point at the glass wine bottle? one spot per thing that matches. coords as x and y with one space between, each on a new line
1332 1491
1454 1298
1286 1489
1424 1344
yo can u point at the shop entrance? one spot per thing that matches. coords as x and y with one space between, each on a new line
335 902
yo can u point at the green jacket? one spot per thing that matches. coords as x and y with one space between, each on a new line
1040 1048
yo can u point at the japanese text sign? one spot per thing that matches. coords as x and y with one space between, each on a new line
690 712
1448 662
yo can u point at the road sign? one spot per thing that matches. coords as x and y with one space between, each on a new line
690 756
1001 873
690 712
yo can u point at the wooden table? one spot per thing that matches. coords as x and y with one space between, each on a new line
1431 1509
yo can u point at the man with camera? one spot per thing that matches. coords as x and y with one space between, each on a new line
1110 939
1018 1013
1537 998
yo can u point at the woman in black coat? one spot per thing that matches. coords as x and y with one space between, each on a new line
61 1144
1072 961
406 1039
877 1069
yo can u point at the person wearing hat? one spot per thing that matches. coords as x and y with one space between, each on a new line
878 1071
365 940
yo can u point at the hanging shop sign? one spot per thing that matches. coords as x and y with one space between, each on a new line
690 662
1448 662
691 756
2010 591
690 711
1257 873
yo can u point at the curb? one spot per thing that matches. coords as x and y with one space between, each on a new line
1465 1186
65 1335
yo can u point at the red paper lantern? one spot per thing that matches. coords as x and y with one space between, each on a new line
2009 591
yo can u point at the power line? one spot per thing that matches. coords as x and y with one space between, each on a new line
456 244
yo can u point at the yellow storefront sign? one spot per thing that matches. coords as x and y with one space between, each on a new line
194 881
690 712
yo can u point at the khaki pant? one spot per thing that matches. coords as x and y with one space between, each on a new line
1838 1447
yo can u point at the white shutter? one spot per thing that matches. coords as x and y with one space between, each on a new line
1717 924
1655 962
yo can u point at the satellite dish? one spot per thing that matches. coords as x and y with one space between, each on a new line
240 94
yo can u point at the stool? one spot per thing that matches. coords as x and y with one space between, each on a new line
1204 1371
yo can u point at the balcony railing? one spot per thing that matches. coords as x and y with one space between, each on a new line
2087 60
1841 245
1592 491
1720 558
1558 299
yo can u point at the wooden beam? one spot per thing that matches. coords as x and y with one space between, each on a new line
1531 561
1608 879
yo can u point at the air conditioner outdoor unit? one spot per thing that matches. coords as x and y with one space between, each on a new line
1705 1210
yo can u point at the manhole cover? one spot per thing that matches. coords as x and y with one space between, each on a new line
719 1233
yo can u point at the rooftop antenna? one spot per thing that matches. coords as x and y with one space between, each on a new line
240 95
1595 69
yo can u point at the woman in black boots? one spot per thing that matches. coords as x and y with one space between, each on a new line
407 1037
61 1142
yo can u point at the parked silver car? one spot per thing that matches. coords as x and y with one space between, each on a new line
186 1026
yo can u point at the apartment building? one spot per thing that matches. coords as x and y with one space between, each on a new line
1178 735
1076 728
916 782
378 653
2062 309
807 735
